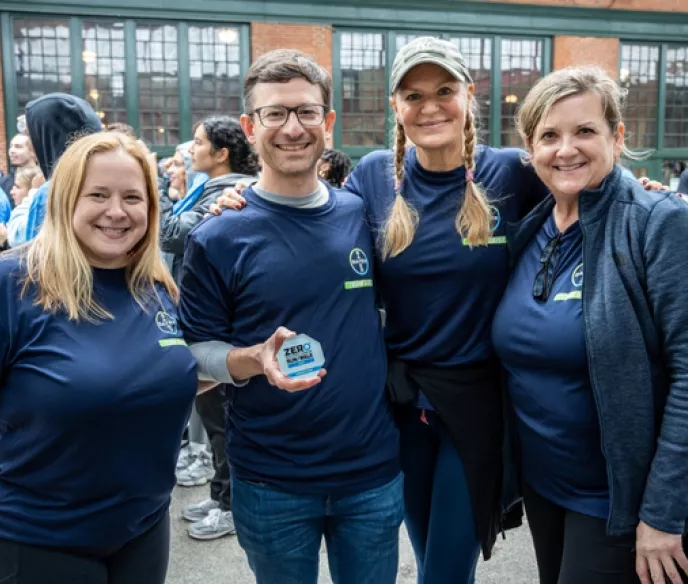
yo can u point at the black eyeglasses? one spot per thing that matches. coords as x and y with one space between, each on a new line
276 116
544 279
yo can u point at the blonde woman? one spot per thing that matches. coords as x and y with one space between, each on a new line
96 380
593 332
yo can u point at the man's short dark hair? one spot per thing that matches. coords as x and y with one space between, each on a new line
281 66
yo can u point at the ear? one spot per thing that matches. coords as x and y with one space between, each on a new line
330 119
619 140
529 147
470 91
394 106
223 155
248 128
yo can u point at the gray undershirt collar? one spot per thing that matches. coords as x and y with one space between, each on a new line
316 199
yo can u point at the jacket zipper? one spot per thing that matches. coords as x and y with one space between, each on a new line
595 394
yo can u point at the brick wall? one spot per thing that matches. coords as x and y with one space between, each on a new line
572 51
653 5
313 40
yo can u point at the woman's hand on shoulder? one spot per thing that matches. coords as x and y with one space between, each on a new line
229 199
659 556
652 185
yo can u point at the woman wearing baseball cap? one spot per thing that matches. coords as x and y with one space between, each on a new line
439 210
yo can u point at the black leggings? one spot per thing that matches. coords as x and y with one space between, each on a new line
211 407
143 560
572 548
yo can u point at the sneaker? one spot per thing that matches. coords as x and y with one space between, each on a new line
199 472
198 511
186 457
216 524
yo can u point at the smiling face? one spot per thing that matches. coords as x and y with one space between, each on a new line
111 214
573 148
20 152
431 106
293 150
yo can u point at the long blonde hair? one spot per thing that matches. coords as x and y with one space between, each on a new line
474 217
55 261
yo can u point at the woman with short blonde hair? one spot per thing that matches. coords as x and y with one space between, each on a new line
97 382
594 337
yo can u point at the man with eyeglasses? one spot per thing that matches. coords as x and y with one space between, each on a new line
309 457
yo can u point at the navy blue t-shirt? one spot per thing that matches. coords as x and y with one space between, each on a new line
91 415
542 347
439 294
311 270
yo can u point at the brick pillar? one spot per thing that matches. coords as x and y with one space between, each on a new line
315 41
575 51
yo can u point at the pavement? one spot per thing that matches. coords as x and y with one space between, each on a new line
222 561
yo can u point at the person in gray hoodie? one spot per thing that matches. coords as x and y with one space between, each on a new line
221 151
593 334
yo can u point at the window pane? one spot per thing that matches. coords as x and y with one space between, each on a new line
364 99
156 65
478 54
521 68
41 49
103 55
214 56
676 121
640 76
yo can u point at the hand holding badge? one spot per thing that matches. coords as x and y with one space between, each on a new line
292 362
300 357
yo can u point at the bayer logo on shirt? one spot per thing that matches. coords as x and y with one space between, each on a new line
166 323
358 261
577 276
496 218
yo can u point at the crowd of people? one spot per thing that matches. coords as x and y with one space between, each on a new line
499 326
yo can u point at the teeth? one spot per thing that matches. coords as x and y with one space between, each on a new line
112 230
573 167
291 148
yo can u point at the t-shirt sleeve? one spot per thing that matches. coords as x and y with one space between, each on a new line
534 190
354 184
205 309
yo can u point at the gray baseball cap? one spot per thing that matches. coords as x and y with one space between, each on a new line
428 50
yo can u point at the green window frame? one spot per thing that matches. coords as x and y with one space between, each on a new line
362 62
41 55
655 76
103 56
147 73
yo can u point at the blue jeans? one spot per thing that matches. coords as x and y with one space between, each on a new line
439 517
281 533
